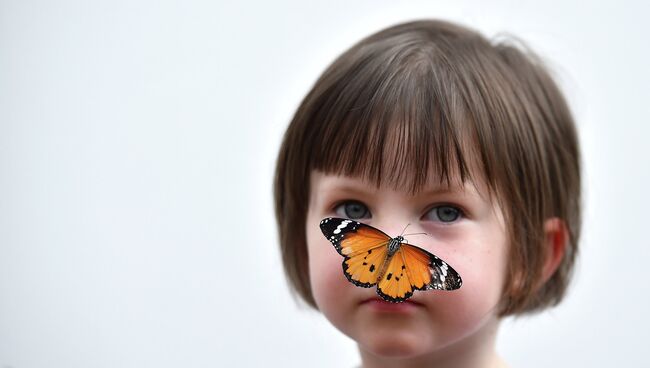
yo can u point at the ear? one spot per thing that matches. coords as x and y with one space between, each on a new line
556 237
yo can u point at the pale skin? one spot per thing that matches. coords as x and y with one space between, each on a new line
441 329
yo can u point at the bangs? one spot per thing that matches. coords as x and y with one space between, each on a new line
398 120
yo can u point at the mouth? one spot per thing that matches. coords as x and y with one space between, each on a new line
380 305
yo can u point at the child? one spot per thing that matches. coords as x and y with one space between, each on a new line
427 123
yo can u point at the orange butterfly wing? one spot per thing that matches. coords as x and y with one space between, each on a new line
364 269
395 284
413 268
427 271
363 247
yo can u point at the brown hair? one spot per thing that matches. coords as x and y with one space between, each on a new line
447 97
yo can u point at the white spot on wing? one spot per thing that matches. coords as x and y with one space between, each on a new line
444 269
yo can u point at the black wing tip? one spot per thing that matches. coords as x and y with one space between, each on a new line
325 220
335 219
455 285
451 281
333 231
323 225
455 277
443 287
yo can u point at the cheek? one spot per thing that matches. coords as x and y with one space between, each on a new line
482 269
483 275
337 299
326 277
466 309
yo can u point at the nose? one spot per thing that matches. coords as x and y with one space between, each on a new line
396 224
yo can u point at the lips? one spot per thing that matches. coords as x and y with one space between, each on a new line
381 305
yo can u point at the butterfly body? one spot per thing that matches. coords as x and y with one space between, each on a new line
371 258
394 244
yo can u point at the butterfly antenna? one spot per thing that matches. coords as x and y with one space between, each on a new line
407 225
418 234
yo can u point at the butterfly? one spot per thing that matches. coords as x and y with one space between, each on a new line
374 258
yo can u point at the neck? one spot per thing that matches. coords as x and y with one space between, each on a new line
476 351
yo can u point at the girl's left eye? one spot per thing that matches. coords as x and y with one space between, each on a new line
445 214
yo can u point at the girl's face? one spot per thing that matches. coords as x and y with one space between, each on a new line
466 230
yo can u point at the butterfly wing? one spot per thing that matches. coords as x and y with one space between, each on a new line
363 246
395 285
426 271
351 237
413 268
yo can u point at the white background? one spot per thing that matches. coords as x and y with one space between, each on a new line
137 146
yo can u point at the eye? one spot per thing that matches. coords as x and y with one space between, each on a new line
445 214
352 210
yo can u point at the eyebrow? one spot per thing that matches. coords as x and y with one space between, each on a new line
444 190
360 189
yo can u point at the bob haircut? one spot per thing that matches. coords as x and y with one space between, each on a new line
430 96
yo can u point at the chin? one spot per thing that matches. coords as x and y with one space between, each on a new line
394 344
